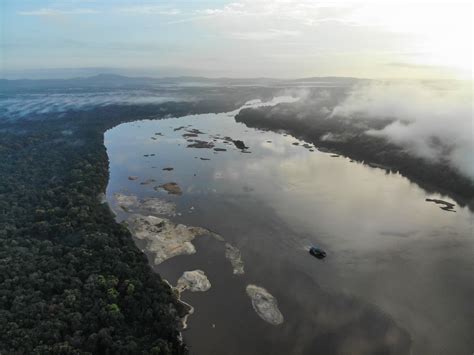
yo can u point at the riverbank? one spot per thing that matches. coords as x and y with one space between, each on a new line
338 135
93 290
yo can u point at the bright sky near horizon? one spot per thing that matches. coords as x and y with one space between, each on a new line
248 38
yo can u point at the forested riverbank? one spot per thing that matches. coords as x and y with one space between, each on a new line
71 278
348 137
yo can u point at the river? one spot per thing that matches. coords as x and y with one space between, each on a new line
398 276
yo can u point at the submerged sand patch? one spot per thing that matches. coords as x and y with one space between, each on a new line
194 281
265 304
233 255
126 202
151 205
170 187
158 206
164 239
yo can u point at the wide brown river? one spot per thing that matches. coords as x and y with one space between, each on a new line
399 273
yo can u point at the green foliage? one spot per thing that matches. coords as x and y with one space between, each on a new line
433 176
71 279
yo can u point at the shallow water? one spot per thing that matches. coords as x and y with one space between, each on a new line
399 270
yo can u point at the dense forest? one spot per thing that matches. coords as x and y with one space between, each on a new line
71 278
340 135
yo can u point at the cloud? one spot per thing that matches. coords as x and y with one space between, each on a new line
129 10
24 105
303 12
232 8
431 121
377 37
57 12
257 20
264 35
409 65
149 10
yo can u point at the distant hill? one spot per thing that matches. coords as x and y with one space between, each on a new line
117 81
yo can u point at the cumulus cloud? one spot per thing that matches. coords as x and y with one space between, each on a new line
431 121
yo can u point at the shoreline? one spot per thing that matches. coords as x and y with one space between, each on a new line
183 319
179 295
431 177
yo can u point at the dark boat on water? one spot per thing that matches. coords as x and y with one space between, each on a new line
317 252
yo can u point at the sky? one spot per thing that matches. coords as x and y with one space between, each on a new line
248 38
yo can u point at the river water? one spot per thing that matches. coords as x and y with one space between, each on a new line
398 276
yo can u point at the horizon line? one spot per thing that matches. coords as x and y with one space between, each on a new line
219 78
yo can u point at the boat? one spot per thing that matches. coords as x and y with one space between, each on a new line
317 252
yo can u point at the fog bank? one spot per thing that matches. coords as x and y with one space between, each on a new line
431 121
21 105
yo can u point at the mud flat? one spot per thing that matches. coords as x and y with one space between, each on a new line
152 205
158 206
148 181
163 238
201 144
265 304
126 202
235 258
170 187
194 281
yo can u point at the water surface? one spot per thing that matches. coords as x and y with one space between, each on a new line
399 271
